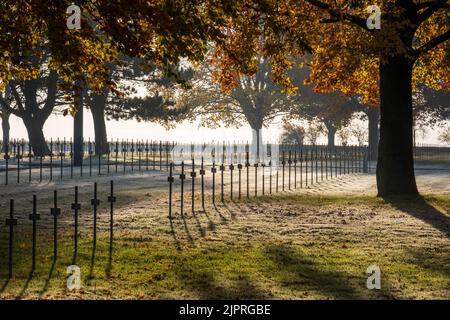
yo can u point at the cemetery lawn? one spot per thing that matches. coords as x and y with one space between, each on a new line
285 246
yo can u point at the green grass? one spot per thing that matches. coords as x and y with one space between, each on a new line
227 263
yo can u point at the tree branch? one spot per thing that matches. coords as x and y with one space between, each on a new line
20 109
431 7
336 13
51 93
5 105
433 43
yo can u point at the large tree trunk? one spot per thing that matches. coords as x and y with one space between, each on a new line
395 166
373 114
331 133
5 129
98 115
78 130
35 132
257 143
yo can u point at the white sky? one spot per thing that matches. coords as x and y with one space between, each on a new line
60 126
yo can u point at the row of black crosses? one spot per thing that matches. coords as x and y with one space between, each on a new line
353 162
55 212
136 155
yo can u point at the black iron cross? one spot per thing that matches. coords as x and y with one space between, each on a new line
283 163
222 169
171 180
213 171
95 202
11 222
75 207
295 169
55 212
182 178
256 165
202 174
30 156
231 180
193 175
239 178
34 217
111 199
263 165
289 172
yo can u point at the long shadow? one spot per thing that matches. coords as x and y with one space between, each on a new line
296 270
186 229
240 205
91 268
47 281
25 287
211 224
222 217
418 207
108 268
227 208
431 260
199 225
247 208
3 288
74 257
204 284
174 234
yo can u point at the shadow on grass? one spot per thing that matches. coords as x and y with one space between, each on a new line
75 255
47 281
432 260
418 207
222 217
174 234
230 211
298 271
108 268
92 264
199 225
204 284
211 224
186 229
5 284
25 287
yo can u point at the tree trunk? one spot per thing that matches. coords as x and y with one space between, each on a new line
331 134
35 132
395 166
373 114
78 130
256 143
98 115
5 129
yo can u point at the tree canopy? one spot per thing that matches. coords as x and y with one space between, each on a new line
380 65
157 31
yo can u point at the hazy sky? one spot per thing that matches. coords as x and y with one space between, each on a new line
60 126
